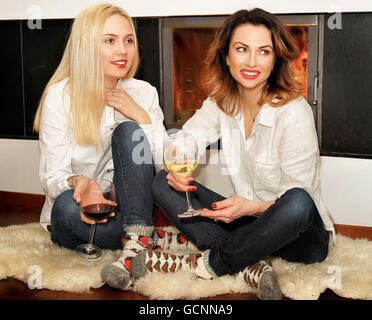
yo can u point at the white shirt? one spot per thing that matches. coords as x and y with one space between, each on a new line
61 157
280 153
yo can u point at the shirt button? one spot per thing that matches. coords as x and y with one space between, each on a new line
111 129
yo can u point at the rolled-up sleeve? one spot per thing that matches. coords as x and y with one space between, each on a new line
299 152
55 147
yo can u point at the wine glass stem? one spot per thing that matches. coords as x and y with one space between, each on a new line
189 205
91 234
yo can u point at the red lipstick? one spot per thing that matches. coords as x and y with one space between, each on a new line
120 63
250 74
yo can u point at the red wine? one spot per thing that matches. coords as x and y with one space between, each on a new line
98 211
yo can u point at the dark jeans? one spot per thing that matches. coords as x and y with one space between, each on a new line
291 228
132 179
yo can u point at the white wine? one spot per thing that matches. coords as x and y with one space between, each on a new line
183 169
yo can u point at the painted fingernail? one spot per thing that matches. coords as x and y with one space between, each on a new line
192 189
214 206
190 180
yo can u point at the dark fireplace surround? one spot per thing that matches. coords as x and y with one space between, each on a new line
332 68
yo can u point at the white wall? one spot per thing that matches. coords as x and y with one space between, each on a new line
19 166
346 183
24 9
346 186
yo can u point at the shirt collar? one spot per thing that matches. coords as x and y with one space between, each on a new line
124 83
266 115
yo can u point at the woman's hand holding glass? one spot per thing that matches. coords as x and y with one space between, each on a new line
181 159
80 188
97 203
180 183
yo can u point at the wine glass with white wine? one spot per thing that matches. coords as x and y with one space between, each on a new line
181 158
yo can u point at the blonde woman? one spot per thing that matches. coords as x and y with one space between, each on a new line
96 120
271 149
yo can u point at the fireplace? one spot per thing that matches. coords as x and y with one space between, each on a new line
184 44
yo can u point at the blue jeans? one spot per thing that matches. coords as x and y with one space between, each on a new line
291 228
133 195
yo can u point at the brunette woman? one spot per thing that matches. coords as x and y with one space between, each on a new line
270 145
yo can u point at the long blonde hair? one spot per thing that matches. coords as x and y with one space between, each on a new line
82 63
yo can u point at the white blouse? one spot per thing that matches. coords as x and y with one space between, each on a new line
60 155
280 153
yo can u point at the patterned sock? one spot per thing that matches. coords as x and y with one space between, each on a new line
158 261
172 242
119 273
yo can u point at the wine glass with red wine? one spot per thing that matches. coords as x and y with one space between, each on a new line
97 203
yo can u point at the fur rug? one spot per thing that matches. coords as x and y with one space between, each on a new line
27 254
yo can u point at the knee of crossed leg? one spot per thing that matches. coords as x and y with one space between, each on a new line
126 128
127 133
130 141
300 205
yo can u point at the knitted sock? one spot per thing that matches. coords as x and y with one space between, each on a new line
119 273
172 242
157 261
